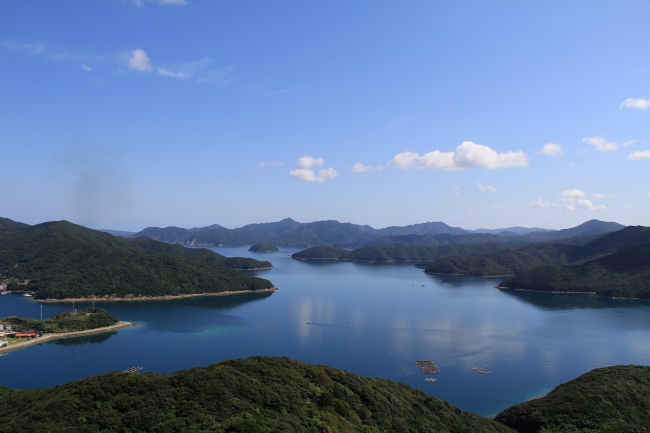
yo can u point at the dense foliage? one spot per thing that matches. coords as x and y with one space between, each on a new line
612 399
263 248
6 223
251 395
625 274
64 322
514 261
61 260
397 252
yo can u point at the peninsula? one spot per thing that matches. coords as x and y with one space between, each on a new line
61 260
65 325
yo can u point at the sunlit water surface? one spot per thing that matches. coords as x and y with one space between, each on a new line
370 319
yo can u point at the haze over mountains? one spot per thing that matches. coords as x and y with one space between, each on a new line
290 233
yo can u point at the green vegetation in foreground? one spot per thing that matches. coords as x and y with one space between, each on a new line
257 394
625 274
612 399
397 252
64 322
263 248
62 260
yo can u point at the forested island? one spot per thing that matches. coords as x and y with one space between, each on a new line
61 260
261 394
263 248
83 320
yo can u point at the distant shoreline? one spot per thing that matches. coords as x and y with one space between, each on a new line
558 291
51 337
469 275
154 298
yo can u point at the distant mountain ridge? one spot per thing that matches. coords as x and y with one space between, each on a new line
290 233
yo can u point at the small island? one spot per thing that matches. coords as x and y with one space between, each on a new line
19 332
263 248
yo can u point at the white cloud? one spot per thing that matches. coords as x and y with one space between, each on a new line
86 68
551 149
360 168
467 155
639 154
628 143
498 207
640 103
573 199
600 144
599 195
486 187
540 203
139 61
573 193
305 173
270 164
179 75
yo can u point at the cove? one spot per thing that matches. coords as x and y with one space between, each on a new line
370 319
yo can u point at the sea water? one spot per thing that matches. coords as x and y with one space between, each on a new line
367 318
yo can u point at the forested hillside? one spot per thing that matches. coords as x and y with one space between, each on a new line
61 260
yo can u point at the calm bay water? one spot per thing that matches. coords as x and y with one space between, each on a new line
370 319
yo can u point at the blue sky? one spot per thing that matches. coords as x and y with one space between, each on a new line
127 114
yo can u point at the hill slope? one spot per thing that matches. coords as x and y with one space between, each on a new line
251 395
530 256
625 274
62 260
612 399
7 224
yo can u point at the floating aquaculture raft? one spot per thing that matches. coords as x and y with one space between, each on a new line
428 367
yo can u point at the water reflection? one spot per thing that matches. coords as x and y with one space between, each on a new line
77 341
570 301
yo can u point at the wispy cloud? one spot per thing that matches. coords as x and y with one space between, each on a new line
599 195
572 199
540 203
360 168
270 164
467 155
639 154
600 144
86 68
628 143
551 149
486 187
305 170
639 103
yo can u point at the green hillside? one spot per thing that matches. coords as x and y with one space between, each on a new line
250 395
625 274
612 399
514 261
61 260
6 223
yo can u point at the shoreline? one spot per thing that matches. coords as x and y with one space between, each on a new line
51 337
594 294
153 298
468 275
